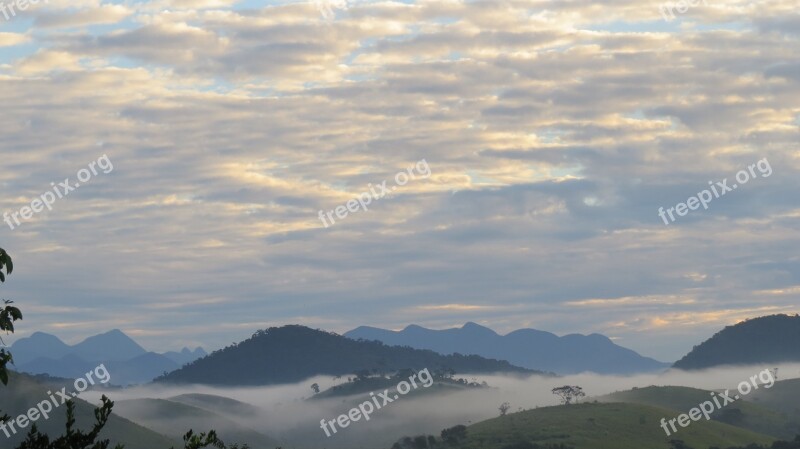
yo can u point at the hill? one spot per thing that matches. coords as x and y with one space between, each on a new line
441 382
294 353
218 404
528 348
174 418
769 339
747 415
23 392
599 426
783 397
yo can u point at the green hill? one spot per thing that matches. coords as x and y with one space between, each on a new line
216 404
783 397
747 415
768 339
24 392
601 426
174 419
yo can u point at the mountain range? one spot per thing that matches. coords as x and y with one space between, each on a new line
528 348
127 362
294 353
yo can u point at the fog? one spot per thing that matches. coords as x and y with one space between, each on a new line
285 412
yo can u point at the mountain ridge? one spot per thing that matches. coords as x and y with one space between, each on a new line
128 362
529 348
293 353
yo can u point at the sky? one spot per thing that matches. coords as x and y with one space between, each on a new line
527 148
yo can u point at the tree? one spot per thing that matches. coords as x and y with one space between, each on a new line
678 444
504 407
568 392
420 442
315 387
8 315
73 438
454 435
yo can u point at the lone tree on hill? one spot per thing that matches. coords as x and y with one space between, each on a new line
568 392
504 407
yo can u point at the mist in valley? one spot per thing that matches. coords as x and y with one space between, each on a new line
287 413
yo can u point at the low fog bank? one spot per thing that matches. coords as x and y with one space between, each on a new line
286 414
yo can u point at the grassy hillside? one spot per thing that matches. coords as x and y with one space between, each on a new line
783 397
24 392
174 418
601 426
747 415
217 404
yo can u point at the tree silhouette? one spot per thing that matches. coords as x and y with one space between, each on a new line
568 392
8 314
504 407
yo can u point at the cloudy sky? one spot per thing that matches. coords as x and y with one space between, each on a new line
553 130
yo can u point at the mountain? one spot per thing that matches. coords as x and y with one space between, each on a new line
110 346
39 344
185 356
294 353
529 348
138 370
768 339
127 362
23 391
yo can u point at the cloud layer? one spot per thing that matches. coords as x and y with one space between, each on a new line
554 131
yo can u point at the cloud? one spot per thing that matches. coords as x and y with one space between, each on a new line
554 132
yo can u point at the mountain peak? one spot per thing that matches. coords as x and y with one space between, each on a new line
43 336
113 345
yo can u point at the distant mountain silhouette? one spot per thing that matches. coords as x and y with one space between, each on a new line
39 345
768 339
529 348
126 361
294 353
185 356
110 346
